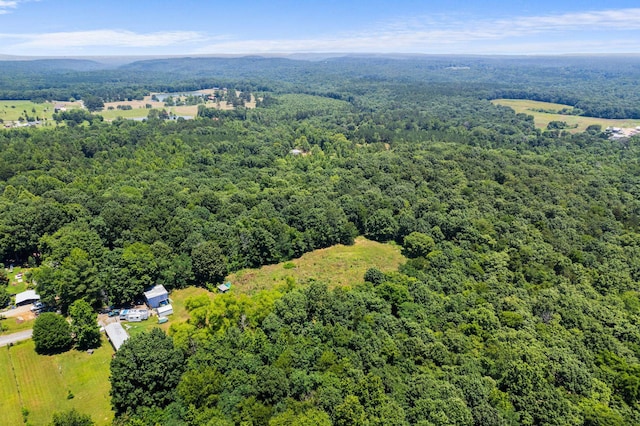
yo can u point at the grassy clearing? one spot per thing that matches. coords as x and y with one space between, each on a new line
338 266
16 285
13 110
180 314
542 119
190 110
12 325
42 383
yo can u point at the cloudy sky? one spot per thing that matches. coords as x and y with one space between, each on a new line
188 27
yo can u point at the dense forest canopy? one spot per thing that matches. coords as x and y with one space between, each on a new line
519 303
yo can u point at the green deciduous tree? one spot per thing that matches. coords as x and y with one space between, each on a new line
145 372
417 244
51 333
209 263
84 325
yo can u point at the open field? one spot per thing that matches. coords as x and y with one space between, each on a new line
139 109
339 265
16 285
13 110
542 119
42 384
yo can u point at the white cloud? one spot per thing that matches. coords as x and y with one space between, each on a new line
7 6
70 40
591 31
442 34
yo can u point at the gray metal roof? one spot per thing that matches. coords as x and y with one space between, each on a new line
156 291
26 296
117 335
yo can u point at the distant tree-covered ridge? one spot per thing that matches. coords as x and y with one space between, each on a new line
602 86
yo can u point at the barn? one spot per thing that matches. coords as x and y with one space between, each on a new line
157 296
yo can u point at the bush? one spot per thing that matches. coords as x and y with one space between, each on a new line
71 418
374 276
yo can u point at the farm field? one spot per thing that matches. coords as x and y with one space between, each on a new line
142 112
13 110
42 384
542 119
339 265
139 109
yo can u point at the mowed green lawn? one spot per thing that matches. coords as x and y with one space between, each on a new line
339 265
44 382
542 119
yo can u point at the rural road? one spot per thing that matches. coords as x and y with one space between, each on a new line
15 337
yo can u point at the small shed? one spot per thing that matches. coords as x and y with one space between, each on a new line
157 296
116 333
165 310
26 297
224 287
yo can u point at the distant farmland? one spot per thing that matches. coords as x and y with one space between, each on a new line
576 122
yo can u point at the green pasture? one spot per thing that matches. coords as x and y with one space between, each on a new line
46 384
13 110
137 112
124 113
339 265
542 119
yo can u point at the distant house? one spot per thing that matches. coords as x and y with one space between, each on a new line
26 297
295 152
157 296
164 311
116 334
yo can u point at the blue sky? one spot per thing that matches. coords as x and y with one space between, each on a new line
189 27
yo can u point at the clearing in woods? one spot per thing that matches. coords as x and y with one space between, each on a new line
542 119
338 265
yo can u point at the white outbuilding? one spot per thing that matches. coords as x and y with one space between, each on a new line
165 310
116 333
